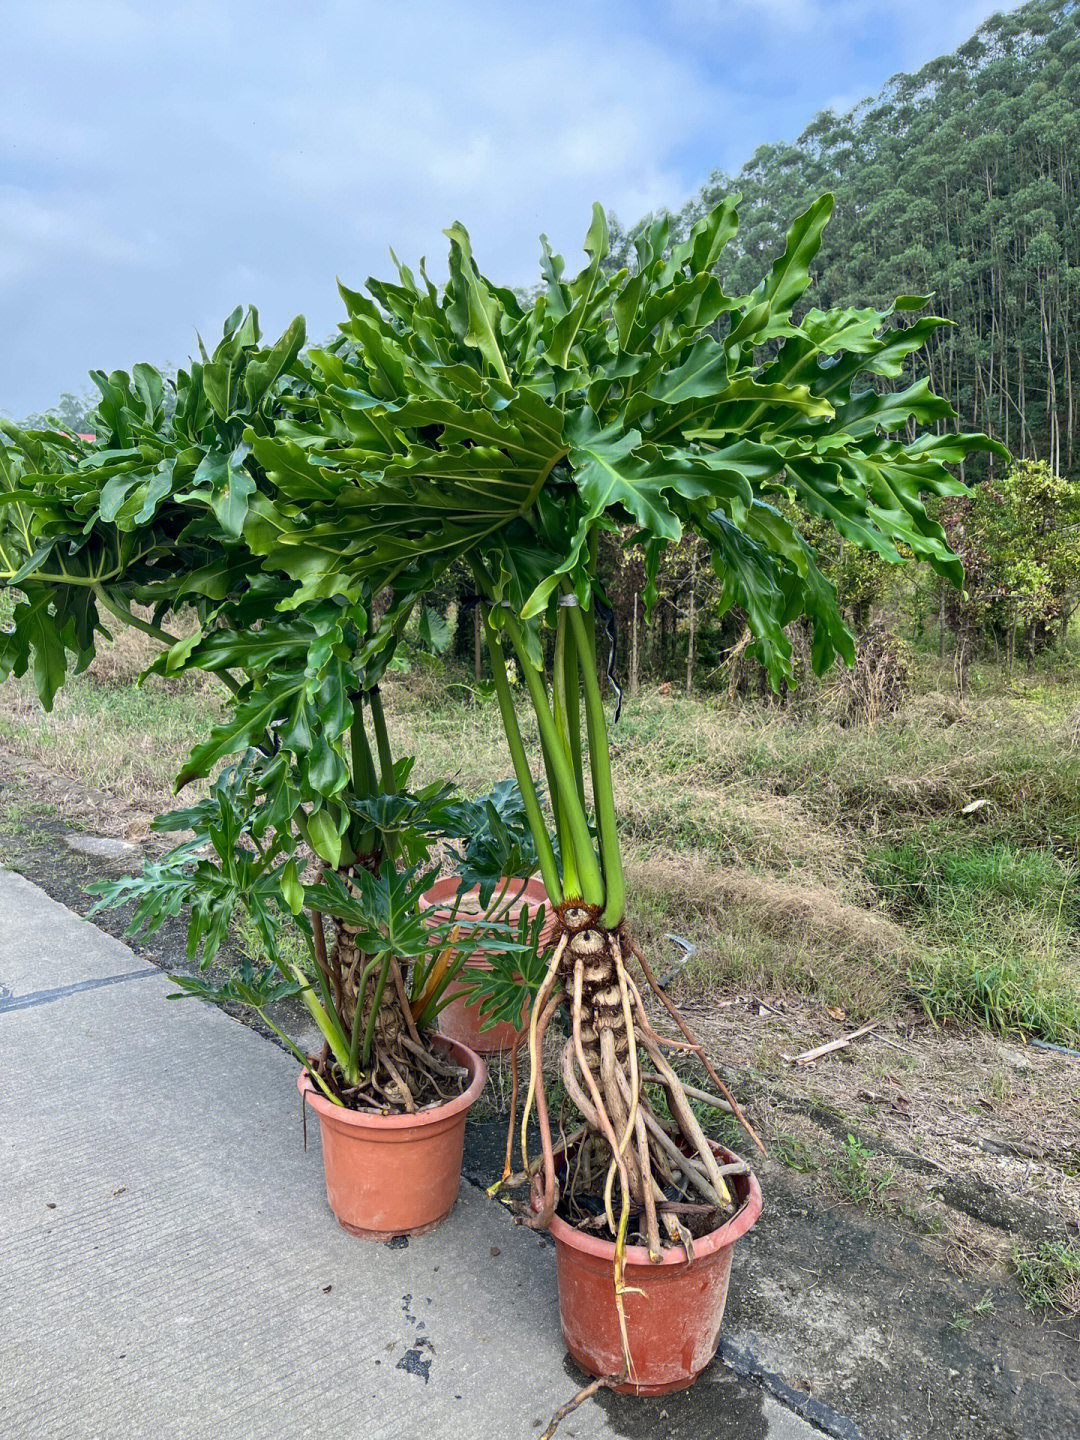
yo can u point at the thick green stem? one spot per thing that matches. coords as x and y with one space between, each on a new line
331 1031
571 698
592 881
364 782
354 1045
571 880
549 869
600 765
298 1054
376 1002
382 742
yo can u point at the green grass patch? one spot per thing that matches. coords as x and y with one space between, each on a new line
910 874
1004 987
998 940
1049 1276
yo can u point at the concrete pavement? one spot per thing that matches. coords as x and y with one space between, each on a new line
169 1267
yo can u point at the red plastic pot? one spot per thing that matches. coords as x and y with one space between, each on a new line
459 1020
390 1175
674 1327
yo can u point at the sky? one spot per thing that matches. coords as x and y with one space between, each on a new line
162 162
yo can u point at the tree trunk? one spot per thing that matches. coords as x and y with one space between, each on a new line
634 650
693 617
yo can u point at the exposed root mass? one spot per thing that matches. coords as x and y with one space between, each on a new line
643 1170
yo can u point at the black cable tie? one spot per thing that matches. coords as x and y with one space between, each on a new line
608 616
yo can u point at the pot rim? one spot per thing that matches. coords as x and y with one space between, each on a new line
731 1230
531 889
475 1064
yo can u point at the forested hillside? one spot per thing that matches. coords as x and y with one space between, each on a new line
963 179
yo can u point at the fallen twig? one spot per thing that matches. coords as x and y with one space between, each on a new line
763 1005
810 1055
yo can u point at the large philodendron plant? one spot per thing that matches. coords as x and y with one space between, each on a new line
466 423
147 524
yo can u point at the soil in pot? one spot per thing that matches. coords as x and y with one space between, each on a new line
673 1308
396 1174
461 1019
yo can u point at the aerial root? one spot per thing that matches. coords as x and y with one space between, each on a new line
603 1382
619 1162
698 1048
535 1057
549 1192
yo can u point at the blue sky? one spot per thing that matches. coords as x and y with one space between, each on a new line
161 162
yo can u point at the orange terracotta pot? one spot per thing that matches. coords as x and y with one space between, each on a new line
390 1175
460 1020
674 1327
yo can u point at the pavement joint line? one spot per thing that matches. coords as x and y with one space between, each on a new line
43 997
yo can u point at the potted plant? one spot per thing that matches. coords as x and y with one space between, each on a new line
468 424
391 1098
154 513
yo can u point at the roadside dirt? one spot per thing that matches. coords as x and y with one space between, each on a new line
879 1284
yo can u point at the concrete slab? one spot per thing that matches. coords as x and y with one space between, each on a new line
169 1266
44 944
103 847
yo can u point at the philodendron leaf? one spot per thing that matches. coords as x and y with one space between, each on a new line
790 275
325 838
435 634
37 640
245 725
583 291
260 374
291 889
477 309
230 487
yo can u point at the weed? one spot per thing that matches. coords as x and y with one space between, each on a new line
962 1318
293 946
999 1086
858 1178
924 1220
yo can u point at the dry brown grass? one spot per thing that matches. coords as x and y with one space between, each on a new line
111 735
770 935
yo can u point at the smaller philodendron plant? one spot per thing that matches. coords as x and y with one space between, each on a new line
382 983
151 522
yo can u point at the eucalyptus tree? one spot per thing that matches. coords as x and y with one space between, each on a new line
964 178
147 525
463 424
